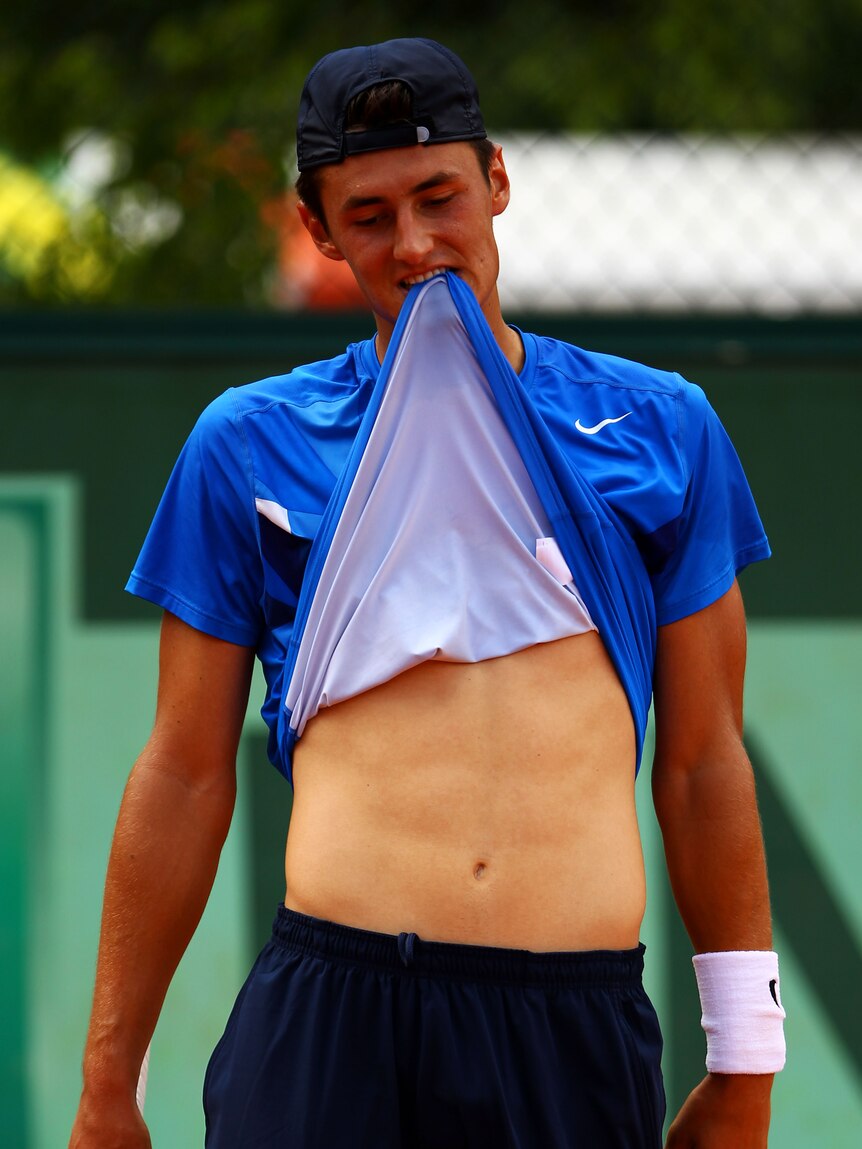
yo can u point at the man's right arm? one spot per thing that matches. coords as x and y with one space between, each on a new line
173 820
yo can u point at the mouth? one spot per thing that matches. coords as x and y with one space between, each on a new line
412 280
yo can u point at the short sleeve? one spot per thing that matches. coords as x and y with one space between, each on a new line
719 531
201 558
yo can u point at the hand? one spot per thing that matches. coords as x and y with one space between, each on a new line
726 1110
111 1125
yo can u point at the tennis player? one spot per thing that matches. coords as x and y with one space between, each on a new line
467 557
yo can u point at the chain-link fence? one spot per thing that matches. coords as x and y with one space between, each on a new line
683 223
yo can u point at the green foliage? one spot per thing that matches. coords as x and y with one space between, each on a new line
202 96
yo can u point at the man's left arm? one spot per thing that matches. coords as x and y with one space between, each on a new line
703 789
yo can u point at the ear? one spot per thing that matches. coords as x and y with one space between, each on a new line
498 178
318 232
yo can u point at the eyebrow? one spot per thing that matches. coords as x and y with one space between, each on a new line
442 177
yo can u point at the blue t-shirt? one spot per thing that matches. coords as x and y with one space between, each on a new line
641 483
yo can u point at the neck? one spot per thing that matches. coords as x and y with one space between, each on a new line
511 345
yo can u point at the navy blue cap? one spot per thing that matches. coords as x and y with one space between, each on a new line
445 100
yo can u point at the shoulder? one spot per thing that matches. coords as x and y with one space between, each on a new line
287 436
583 388
578 366
325 381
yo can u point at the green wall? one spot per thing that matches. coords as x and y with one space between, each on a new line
95 409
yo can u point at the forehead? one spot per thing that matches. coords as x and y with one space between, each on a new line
397 172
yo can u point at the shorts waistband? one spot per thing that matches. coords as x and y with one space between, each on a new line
408 953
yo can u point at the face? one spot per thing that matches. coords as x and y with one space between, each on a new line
400 215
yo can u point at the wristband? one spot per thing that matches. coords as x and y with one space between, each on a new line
742 1013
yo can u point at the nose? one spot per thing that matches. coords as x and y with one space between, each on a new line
412 238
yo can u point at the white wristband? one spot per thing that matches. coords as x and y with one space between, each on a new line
742 1013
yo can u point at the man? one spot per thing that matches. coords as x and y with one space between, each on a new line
515 543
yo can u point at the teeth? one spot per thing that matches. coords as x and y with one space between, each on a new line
414 279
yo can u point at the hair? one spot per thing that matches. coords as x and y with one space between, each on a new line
380 106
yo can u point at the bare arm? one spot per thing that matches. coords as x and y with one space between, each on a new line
174 818
703 788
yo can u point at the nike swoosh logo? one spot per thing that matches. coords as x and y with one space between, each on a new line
599 426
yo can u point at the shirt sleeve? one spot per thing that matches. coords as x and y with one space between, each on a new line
201 556
718 531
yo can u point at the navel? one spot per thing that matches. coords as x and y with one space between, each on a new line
479 871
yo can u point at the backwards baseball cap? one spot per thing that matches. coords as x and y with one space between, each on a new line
445 100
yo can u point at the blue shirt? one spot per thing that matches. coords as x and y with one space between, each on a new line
642 486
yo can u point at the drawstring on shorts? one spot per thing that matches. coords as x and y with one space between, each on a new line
406 942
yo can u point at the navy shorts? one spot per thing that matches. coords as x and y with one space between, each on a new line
346 1039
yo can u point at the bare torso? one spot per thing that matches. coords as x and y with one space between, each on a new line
490 803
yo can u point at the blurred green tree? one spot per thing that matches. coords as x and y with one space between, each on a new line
191 108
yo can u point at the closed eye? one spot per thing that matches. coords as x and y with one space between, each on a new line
440 201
